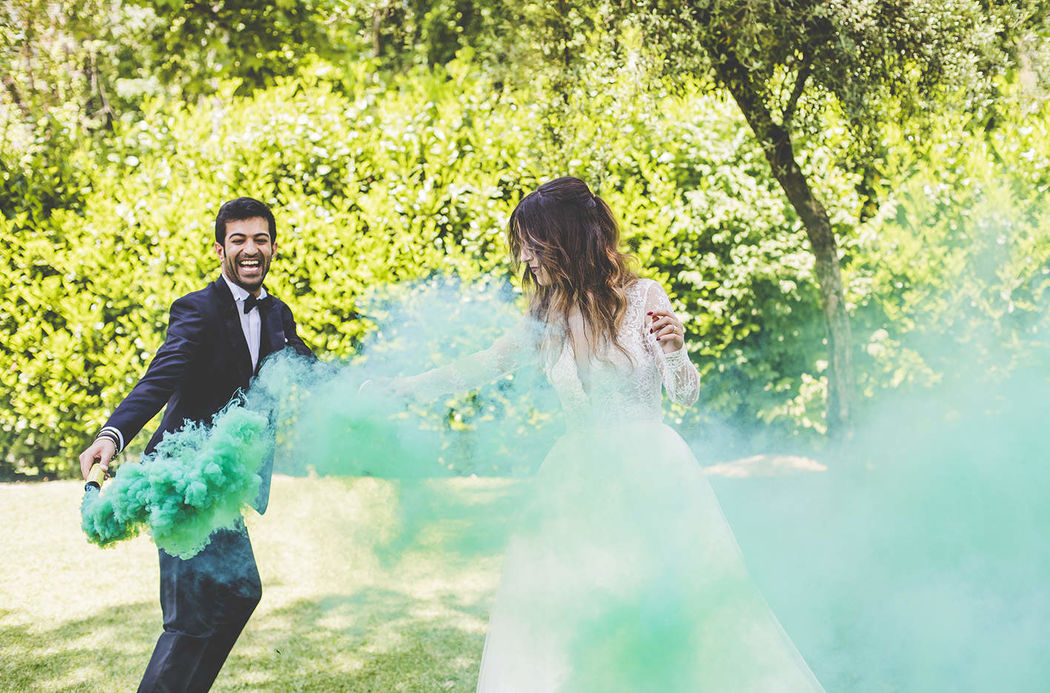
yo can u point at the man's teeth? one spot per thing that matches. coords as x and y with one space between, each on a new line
249 263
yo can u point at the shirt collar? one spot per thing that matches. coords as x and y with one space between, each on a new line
239 292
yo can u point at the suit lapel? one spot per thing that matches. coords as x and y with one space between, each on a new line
235 335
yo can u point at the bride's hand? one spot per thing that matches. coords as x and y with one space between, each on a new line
390 386
668 329
400 387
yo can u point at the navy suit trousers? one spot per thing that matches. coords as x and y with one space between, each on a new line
206 601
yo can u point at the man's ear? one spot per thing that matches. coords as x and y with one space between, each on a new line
218 249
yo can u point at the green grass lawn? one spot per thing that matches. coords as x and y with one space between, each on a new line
349 603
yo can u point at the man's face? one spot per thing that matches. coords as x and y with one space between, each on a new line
246 253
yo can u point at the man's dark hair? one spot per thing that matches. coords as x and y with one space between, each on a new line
240 209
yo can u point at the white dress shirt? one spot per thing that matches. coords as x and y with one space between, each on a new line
251 322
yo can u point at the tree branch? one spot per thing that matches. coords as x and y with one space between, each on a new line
96 80
796 93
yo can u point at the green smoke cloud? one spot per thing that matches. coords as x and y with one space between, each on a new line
918 562
196 481
321 421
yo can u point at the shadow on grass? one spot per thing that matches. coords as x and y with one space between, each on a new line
372 640
80 655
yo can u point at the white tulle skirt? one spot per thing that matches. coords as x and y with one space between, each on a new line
625 576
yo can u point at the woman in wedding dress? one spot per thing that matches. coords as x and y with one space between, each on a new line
624 575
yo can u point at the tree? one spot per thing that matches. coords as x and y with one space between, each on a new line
194 44
785 61
56 58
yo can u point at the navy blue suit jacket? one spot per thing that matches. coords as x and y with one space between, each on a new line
203 362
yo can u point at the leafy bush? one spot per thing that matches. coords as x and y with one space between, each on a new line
951 278
375 182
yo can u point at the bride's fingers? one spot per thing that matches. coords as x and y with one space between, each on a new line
667 329
670 341
670 331
663 322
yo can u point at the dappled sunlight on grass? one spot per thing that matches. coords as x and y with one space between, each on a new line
357 594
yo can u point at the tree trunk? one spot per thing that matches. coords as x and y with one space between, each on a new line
377 31
829 278
780 152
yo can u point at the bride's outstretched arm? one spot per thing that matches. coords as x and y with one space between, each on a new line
507 354
680 377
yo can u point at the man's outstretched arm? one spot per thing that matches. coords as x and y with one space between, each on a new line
166 370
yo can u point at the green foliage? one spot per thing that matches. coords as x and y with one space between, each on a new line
373 183
378 181
793 69
955 267
194 46
81 63
416 32
796 57
88 62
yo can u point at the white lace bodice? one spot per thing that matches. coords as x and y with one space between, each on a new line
618 387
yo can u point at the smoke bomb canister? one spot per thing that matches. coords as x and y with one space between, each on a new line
95 477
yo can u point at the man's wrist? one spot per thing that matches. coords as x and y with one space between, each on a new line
112 434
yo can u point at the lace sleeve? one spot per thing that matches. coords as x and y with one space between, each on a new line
680 377
507 354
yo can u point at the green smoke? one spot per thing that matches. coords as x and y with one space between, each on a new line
196 481
918 562
320 420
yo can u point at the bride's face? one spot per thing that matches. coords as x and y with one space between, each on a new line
527 257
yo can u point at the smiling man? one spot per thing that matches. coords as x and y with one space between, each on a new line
217 337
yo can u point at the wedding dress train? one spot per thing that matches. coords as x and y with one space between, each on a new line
624 575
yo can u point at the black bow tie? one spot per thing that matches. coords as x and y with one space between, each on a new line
252 301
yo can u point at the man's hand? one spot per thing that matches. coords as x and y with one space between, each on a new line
101 451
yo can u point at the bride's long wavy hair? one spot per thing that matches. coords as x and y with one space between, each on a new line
574 237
